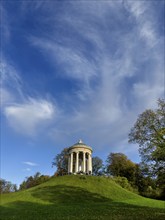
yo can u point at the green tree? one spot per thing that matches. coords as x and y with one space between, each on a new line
97 164
142 182
23 185
7 187
33 181
149 133
61 162
119 165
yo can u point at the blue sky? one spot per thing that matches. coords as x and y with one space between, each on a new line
75 70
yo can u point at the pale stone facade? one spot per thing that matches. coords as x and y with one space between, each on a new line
80 158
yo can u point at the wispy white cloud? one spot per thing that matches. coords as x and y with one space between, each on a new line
30 163
6 97
27 169
29 117
137 8
145 22
35 5
75 64
26 115
11 82
5 26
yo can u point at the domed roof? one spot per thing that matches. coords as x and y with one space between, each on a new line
80 144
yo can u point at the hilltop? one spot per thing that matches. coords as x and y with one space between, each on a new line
79 197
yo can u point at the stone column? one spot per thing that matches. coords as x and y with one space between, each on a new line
87 163
77 162
84 162
71 162
90 163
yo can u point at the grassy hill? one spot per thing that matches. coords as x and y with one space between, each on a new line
79 197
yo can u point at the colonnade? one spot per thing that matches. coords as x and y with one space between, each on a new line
80 162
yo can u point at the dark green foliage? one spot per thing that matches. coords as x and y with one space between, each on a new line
123 182
97 164
132 176
119 165
149 133
161 183
6 186
61 162
146 185
34 181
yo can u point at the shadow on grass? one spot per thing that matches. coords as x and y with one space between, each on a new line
67 194
74 203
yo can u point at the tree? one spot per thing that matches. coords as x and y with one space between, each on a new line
7 187
149 133
33 181
36 175
61 162
119 165
143 182
97 164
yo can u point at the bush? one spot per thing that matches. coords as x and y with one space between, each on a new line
123 182
153 193
34 181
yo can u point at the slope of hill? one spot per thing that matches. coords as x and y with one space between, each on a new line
79 197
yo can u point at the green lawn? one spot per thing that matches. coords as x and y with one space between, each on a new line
79 197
